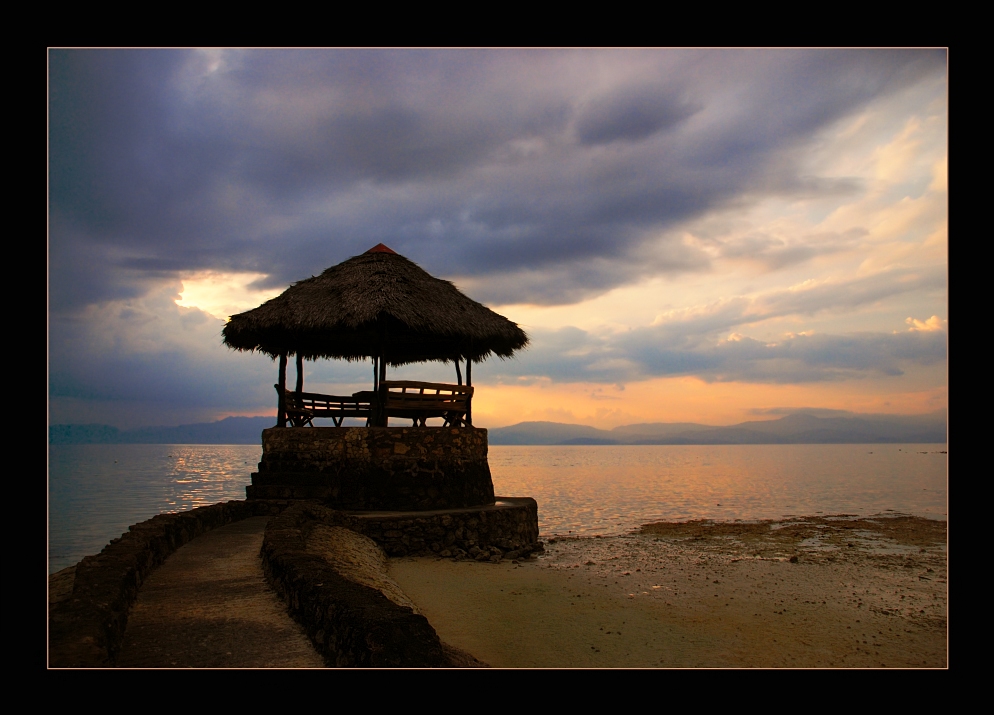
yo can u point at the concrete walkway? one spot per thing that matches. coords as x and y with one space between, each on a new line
209 606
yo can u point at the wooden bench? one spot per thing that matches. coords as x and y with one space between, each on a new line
302 408
421 400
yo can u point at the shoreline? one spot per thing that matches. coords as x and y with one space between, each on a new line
821 591
812 592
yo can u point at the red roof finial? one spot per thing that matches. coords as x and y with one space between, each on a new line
380 248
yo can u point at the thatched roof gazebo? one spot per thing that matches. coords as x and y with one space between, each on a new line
376 305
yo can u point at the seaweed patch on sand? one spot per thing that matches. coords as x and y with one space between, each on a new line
815 535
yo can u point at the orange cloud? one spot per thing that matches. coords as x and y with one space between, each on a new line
930 325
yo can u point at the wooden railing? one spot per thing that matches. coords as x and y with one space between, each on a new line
420 401
403 399
303 407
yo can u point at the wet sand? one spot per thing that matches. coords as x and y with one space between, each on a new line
806 592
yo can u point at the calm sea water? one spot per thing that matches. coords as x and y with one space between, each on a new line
96 491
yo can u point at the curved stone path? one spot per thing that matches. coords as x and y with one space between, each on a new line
209 606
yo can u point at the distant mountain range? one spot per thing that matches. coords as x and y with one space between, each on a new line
230 430
791 429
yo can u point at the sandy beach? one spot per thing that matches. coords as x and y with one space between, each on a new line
814 592
804 592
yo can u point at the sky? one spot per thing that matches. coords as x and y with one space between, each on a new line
703 236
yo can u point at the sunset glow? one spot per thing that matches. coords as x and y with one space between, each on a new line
223 294
704 236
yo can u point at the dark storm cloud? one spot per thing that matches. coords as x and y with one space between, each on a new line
486 164
631 114
703 343
572 355
126 362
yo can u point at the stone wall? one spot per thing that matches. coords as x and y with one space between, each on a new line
395 468
352 624
86 628
349 623
506 529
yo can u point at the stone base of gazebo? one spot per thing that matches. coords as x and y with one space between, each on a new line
507 528
376 468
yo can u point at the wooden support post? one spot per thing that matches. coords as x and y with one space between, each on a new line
469 400
384 420
281 415
300 373
458 373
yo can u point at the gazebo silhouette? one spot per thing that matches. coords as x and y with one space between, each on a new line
382 306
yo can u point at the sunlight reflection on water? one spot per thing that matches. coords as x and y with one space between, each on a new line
97 491
612 490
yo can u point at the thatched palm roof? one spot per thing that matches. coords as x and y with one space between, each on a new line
375 304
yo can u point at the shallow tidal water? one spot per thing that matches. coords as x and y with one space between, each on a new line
612 490
96 491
